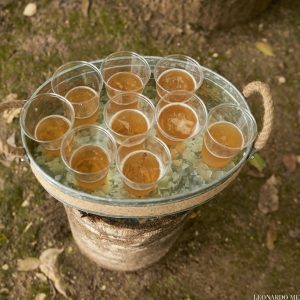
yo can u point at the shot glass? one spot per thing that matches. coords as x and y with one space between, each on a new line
88 152
46 119
81 83
177 72
125 72
230 129
130 121
143 166
178 121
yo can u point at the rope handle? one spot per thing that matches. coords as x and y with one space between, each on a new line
4 146
264 90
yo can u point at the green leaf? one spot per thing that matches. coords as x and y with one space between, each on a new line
264 48
258 162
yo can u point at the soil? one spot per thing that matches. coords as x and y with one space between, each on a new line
230 249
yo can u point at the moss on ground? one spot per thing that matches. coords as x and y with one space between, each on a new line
222 254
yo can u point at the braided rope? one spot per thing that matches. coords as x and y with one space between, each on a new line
4 146
264 90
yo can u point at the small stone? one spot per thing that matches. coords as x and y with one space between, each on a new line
281 80
30 10
5 267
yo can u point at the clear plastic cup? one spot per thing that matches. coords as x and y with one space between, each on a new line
142 166
81 83
125 72
177 72
88 152
130 121
230 129
178 121
46 119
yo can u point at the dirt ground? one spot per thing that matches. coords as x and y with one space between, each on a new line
231 250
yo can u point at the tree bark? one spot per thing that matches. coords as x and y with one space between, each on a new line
124 245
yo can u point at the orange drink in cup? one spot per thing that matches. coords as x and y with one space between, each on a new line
230 129
129 122
143 165
81 83
125 72
179 121
46 119
177 73
88 152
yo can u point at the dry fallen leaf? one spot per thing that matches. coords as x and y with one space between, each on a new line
48 266
85 7
27 227
10 114
294 233
27 196
41 277
193 215
264 48
290 162
268 196
11 97
40 296
30 10
2 184
271 236
28 264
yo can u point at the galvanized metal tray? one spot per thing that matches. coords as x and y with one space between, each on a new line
190 182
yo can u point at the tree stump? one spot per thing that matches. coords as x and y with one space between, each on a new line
124 244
